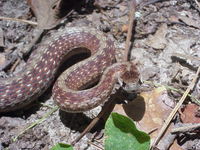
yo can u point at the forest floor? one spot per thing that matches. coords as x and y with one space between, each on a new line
166 47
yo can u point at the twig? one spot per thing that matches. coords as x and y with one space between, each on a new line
37 122
15 65
166 142
186 56
152 130
95 120
19 20
178 105
197 3
186 128
130 29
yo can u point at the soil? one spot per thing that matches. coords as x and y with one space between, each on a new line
161 31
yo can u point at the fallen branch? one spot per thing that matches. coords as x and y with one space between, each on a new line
186 128
19 20
130 29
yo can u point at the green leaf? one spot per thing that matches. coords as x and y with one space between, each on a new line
62 146
122 134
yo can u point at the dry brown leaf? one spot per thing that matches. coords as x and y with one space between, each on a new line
189 114
158 40
149 110
45 12
175 146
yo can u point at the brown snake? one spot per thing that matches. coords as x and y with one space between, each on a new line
68 91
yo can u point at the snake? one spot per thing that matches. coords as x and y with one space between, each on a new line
72 90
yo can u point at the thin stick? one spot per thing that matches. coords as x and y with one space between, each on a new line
15 65
37 122
104 110
19 20
186 128
172 114
98 147
130 29
197 3
186 56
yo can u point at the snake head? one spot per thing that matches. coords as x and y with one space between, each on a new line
129 80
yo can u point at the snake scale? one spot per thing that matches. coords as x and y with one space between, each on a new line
69 91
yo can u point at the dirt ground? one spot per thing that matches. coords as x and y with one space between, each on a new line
166 46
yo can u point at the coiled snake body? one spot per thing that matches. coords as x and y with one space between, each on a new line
68 93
